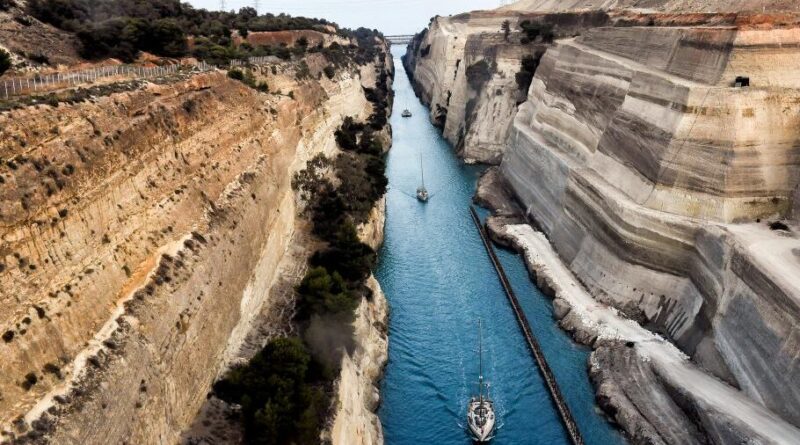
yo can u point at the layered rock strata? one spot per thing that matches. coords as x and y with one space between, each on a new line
142 232
654 179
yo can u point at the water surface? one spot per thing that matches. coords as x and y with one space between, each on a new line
439 282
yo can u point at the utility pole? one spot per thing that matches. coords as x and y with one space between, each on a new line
256 4
222 5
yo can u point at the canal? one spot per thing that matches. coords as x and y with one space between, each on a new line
439 282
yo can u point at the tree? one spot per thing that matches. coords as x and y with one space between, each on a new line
275 390
506 28
347 255
322 293
5 61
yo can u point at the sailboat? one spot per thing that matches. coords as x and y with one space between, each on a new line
480 410
422 192
406 112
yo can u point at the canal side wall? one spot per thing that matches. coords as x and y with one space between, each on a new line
627 356
632 153
355 421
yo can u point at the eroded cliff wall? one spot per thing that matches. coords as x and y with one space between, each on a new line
141 236
653 176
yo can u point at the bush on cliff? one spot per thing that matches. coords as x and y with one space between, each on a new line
528 68
247 78
533 31
347 134
282 394
323 293
362 182
329 71
5 61
346 255
478 74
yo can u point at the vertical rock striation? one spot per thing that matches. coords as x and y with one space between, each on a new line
653 177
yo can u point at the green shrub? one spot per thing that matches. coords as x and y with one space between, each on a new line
236 74
329 71
281 392
533 31
347 134
5 61
324 293
478 74
347 255
362 182
528 68
5 5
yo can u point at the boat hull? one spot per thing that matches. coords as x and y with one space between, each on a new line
481 420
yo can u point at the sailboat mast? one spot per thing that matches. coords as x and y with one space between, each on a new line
480 360
422 170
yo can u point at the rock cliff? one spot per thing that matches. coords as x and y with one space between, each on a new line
142 234
656 180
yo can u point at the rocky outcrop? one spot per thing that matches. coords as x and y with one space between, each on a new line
142 233
654 178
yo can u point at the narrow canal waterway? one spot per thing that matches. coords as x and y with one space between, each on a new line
439 282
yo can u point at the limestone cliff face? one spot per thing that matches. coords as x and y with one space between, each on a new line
141 234
357 397
650 174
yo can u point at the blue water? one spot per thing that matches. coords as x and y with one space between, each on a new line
439 282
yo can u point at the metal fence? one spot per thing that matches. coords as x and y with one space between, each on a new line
262 60
19 86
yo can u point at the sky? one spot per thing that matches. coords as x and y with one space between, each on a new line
388 16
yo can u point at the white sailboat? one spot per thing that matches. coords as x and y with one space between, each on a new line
422 192
480 410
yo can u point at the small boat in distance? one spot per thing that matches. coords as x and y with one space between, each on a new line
480 410
406 113
422 192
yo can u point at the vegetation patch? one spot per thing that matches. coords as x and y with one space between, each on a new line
5 61
283 394
248 78
478 74
533 31
527 70
123 28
